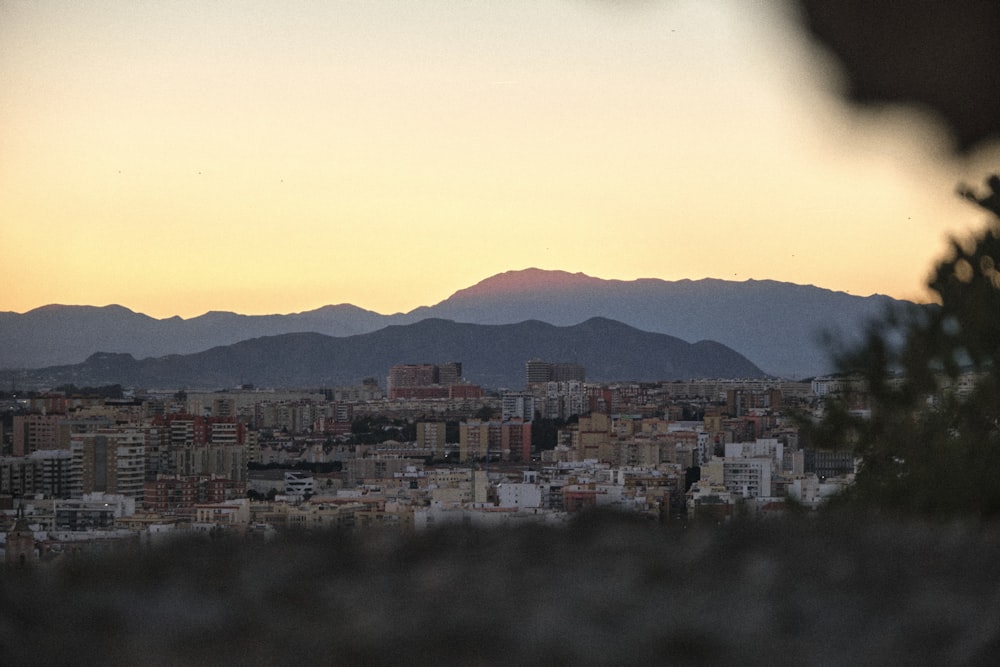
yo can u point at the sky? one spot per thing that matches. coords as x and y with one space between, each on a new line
270 157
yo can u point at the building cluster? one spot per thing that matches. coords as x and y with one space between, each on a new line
84 471
430 381
541 372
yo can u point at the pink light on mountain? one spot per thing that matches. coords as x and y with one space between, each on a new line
527 281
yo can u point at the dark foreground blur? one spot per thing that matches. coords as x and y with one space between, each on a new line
606 589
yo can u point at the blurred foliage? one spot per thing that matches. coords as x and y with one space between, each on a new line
931 381
601 589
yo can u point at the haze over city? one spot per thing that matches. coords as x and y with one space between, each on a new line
257 157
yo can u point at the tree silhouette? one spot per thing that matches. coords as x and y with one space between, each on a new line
931 380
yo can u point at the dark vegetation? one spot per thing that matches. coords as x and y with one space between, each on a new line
930 446
602 590
545 432
377 429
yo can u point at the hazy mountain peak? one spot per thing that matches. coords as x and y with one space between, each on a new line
61 309
780 326
337 308
525 281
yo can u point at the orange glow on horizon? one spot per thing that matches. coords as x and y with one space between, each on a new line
258 158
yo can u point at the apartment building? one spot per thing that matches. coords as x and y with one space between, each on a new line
109 461
431 436
47 472
35 431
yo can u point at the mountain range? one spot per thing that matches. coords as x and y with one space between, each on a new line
493 356
777 325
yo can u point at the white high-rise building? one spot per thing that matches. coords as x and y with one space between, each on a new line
518 404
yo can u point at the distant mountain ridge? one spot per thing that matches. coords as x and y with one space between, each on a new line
492 355
777 325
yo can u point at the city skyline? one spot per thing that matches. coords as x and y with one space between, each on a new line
179 158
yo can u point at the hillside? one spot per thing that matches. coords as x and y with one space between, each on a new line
493 355
777 325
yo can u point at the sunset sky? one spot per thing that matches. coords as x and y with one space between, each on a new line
273 157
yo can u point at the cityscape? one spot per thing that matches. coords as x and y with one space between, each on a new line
179 525
423 447
728 393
